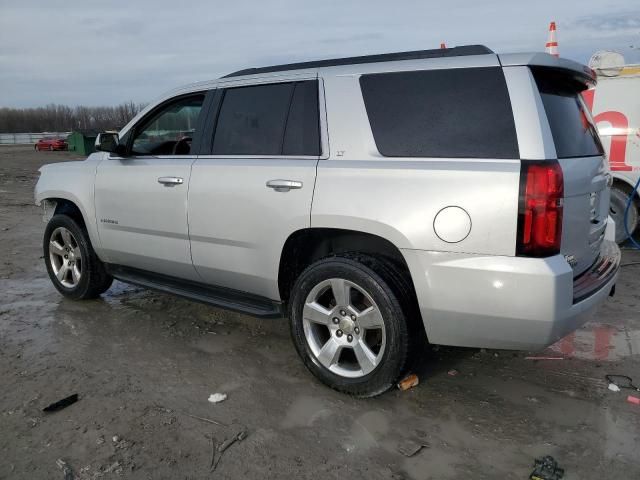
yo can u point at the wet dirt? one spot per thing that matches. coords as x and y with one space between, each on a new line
144 363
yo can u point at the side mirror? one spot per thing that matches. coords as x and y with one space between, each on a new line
109 142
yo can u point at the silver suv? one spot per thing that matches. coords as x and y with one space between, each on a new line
451 195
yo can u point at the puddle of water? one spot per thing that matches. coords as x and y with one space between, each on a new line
600 342
305 411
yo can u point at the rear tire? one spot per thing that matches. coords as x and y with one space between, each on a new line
365 351
618 204
72 264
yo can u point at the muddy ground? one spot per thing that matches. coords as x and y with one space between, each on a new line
144 364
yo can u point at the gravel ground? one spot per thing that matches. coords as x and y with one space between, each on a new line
144 364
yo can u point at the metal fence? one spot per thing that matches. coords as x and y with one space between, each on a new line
28 138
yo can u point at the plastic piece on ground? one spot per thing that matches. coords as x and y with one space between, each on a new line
217 397
613 387
60 404
409 448
546 468
634 400
453 372
621 381
408 382
67 471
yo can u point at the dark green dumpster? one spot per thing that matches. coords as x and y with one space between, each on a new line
82 142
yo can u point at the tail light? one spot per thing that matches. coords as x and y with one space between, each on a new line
540 209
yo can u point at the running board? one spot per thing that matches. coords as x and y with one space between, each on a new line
221 297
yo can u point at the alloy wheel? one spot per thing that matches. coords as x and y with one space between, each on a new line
65 257
344 328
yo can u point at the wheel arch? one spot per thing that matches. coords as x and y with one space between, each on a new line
304 247
67 204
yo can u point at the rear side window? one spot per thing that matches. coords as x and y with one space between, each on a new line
573 131
275 119
455 113
302 135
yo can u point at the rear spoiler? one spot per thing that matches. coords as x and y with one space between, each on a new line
580 72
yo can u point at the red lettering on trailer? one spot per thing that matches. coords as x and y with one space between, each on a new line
618 150
618 122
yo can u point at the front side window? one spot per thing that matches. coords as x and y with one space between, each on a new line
274 119
169 131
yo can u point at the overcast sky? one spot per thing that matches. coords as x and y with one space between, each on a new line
106 52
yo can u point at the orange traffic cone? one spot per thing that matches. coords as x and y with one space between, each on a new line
552 43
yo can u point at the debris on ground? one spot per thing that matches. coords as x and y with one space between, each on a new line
613 387
213 452
224 446
453 372
207 420
217 397
544 358
408 382
409 448
115 467
546 468
119 443
66 469
634 400
60 404
621 381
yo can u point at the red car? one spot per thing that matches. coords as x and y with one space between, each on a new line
51 143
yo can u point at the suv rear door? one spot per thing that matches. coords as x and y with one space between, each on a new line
256 186
580 154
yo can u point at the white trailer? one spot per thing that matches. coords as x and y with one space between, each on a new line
615 104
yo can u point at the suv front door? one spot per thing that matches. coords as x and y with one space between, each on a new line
141 199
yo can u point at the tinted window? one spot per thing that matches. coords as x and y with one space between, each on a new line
459 113
302 136
274 119
573 131
170 130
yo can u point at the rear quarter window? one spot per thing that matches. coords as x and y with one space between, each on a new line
454 113
572 128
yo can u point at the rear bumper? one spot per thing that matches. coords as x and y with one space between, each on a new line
507 302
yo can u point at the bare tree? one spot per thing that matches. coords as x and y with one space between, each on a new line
62 118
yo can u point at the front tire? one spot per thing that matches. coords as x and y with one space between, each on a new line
71 262
348 325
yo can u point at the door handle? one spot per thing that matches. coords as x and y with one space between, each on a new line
284 185
169 181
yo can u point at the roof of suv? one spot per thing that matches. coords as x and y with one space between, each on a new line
463 50
586 75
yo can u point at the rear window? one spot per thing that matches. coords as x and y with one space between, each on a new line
572 128
454 113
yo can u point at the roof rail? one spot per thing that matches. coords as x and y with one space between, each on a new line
384 57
